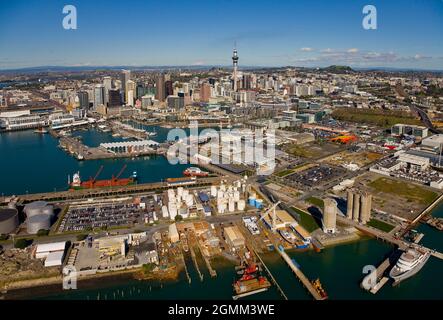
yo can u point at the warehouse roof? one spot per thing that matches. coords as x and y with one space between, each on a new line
50 247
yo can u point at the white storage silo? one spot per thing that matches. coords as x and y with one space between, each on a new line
236 195
165 212
220 194
34 208
241 205
38 222
231 205
180 191
49 210
213 191
172 208
8 220
189 200
222 187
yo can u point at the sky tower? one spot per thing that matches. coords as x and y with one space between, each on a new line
235 64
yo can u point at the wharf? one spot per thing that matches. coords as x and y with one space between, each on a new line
300 275
106 191
270 275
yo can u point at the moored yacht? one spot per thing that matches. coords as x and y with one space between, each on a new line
409 263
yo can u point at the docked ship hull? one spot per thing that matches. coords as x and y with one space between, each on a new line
398 276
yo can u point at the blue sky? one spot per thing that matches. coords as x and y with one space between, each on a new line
197 32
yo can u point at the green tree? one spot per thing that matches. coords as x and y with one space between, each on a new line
178 218
42 232
21 243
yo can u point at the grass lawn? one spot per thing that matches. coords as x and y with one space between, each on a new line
284 173
306 220
316 202
383 226
404 189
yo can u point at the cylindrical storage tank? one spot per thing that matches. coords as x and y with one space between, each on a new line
258 203
223 187
172 207
251 201
213 191
189 200
165 212
231 205
184 212
221 207
220 194
236 195
180 191
185 194
49 210
38 222
241 205
34 208
243 188
8 220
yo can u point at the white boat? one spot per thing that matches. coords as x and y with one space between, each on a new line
409 263
289 237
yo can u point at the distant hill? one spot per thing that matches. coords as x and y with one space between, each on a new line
338 69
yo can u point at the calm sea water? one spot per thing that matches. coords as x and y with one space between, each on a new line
33 163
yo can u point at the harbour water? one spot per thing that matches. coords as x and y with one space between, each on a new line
33 163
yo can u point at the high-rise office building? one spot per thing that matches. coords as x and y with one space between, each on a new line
99 95
114 98
160 87
107 83
130 92
125 76
169 91
83 99
205 92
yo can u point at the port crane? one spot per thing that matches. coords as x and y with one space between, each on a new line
92 180
120 173
271 211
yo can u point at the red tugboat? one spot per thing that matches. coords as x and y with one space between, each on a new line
195 172
319 288
116 181
251 281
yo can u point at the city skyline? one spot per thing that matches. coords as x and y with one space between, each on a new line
296 33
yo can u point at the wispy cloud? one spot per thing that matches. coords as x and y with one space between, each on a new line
306 49
354 56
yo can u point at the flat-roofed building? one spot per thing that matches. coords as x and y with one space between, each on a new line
234 237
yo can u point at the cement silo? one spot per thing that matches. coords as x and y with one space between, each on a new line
329 215
356 207
38 222
365 210
350 204
8 220
34 208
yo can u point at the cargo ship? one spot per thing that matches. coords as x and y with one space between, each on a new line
195 172
250 282
115 181
319 288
